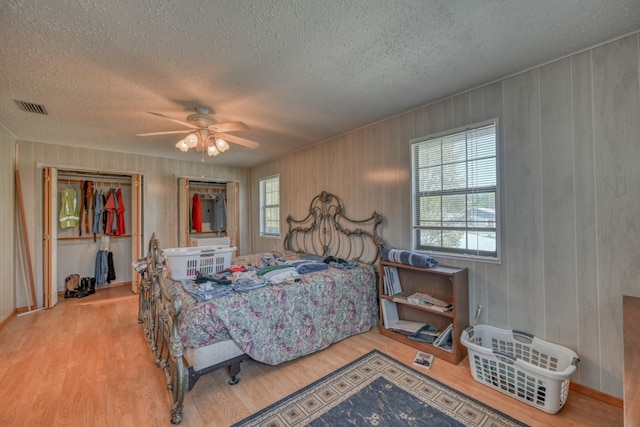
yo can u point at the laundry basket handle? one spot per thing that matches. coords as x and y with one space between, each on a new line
469 331
502 356
523 337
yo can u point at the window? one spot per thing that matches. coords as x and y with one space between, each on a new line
270 206
455 192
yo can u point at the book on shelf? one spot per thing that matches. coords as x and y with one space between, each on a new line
392 280
407 327
429 301
423 360
426 334
392 321
427 339
445 339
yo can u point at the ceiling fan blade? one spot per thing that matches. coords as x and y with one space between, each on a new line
228 127
169 132
180 122
237 140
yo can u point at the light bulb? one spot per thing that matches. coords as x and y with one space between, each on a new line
212 150
182 146
222 145
191 140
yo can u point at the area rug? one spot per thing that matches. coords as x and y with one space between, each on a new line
377 390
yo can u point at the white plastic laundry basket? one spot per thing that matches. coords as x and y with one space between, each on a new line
520 365
185 263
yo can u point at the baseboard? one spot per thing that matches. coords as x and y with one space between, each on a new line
9 317
598 395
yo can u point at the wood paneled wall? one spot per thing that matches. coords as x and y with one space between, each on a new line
160 193
570 173
8 245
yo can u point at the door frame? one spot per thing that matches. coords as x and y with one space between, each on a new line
50 219
233 223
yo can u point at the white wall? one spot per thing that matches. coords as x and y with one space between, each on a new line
570 156
160 192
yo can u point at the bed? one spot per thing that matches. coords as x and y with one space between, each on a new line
192 334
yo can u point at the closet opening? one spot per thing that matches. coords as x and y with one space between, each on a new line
208 212
93 232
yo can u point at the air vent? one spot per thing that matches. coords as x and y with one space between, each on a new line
30 107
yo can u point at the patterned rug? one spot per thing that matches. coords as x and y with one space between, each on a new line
377 390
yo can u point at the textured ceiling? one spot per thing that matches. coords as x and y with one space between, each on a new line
295 71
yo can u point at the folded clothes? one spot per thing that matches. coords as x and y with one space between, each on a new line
248 285
344 265
205 291
269 259
281 275
304 266
401 256
219 278
312 257
248 280
269 269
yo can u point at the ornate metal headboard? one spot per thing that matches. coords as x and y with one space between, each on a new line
326 231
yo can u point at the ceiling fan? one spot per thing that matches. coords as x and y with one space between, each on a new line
205 133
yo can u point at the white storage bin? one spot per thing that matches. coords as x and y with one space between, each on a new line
185 263
520 365
223 242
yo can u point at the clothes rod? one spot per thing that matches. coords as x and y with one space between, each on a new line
100 183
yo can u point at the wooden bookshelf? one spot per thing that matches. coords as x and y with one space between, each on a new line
446 283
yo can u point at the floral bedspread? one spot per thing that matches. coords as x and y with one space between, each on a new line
277 323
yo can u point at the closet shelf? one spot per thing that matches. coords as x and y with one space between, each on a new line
90 237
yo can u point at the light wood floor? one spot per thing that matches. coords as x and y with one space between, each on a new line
86 363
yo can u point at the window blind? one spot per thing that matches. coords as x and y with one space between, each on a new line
455 186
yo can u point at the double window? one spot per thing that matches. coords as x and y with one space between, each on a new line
455 192
270 206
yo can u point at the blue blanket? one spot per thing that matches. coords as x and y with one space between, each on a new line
401 256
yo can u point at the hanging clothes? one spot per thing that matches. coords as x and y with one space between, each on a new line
110 208
69 208
114 225
218 221
196 213
105 214
120 213
97 214
102 267
88 202
81 214
111 270
105 271
85 206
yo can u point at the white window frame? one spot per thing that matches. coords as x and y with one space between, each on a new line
264 229
468 252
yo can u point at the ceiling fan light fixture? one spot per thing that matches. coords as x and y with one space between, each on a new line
212 150
221 144
191 140
182 146
205 133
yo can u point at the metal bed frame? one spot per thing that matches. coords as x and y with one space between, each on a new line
324 231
